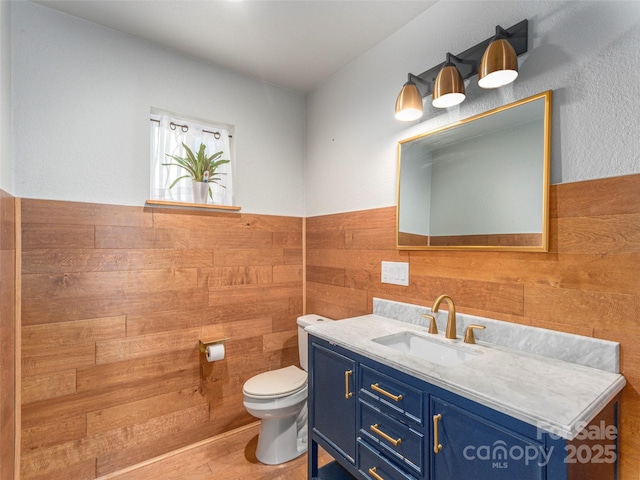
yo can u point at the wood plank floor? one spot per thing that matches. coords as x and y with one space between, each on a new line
229 456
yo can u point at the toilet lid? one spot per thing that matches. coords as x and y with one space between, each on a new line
276 383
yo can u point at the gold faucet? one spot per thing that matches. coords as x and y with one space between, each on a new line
451 320
469 337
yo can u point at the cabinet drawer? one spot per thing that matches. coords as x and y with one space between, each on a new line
392 438
393 396
372 464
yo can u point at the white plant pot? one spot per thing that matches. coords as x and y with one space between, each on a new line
200 191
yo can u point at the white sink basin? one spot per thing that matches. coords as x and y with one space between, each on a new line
431 350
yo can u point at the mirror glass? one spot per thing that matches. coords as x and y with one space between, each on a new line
480 183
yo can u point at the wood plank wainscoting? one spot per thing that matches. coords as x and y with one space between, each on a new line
114 301
588 283
8 331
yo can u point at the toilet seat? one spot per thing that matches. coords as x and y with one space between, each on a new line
276 383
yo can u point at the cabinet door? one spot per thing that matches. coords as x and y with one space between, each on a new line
333 399
475 448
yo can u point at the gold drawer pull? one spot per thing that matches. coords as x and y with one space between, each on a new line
376 388
374 474
347 393
393 441
436 442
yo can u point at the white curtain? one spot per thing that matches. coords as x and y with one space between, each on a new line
167 136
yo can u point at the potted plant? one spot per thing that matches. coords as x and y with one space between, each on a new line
201 169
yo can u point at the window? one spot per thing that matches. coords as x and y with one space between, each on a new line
168 134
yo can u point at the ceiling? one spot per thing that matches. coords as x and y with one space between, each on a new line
296 44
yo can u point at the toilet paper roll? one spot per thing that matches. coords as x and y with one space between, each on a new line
215 352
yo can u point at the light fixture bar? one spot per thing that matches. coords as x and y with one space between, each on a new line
468 61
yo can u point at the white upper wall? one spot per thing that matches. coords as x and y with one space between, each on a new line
6 161
588 53
82 95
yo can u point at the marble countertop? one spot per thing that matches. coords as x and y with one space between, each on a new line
554 395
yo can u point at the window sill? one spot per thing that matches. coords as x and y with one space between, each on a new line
199 206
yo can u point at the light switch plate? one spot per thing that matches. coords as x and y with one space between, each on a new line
396 273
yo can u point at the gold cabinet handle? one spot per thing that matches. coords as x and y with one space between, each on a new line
347 393
395 442
376 388
436 442
373 472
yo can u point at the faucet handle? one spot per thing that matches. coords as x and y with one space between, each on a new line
433 328
469 337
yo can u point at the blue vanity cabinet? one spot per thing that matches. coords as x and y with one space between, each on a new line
381 423
481 443
332 407
466 445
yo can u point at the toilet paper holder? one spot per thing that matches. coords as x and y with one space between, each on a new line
202 346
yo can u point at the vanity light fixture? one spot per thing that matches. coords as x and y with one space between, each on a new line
499 64
441 81
448 89
409 101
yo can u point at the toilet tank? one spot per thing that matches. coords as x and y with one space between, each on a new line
303 322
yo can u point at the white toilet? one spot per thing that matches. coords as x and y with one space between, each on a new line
279 399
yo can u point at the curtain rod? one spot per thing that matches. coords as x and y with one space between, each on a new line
185 128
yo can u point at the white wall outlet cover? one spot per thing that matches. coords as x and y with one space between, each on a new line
396 273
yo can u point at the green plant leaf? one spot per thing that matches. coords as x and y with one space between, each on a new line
213 166
190 154
214 156
178 179
184 163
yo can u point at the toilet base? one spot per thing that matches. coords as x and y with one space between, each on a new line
281 439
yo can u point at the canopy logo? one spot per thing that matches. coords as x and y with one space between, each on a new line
500 454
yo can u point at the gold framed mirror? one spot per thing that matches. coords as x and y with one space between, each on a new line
481 183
